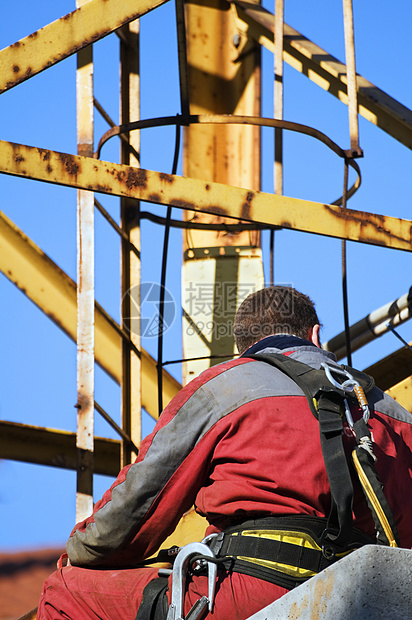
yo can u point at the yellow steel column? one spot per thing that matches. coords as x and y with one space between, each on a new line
220 268
131 362
85 291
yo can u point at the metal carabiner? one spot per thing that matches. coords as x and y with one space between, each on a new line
180 568
348 386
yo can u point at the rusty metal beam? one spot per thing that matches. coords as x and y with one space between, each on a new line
205 197
67 35
35 274
43 446
327 72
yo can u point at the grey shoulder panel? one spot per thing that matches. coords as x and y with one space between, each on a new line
386 404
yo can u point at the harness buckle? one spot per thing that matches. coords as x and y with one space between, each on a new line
214 542
328 552
347 387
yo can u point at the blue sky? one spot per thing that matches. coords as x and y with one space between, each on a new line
38 362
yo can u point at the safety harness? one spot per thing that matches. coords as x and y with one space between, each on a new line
330 401
288 550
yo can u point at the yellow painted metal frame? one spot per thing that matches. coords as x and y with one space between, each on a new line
206 197
55 448
54 293
402 392
392 369
327 72
67 35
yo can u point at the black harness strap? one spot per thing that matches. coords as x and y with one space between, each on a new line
274 551
328 411
242 551
386 529
154 602
339 530
316 387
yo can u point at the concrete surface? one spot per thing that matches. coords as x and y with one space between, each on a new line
372 583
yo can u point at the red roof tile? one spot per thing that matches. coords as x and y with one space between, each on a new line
21 578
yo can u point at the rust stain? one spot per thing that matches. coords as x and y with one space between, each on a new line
16 44
323 591
84 402
167 178
154 197
69 163
18 158
104 189
33 35
207 187
16 69
378 223
216 210
182 204
246 207
347 214
297 610
49 169
45 155
133 178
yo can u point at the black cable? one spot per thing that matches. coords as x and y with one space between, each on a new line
191 225
163 283
233 119
272 257
115 426
344 274
195 359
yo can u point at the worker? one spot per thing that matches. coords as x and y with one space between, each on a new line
242 443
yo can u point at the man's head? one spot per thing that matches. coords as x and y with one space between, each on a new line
275 310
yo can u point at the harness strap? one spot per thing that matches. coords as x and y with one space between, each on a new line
339 528
363 459
284 550
326 401
278 551
154 602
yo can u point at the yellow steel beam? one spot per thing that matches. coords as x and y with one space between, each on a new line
55 293
43 446
392 369
402 392
67 35
327 72
205 197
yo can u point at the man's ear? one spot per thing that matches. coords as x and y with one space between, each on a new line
313 335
